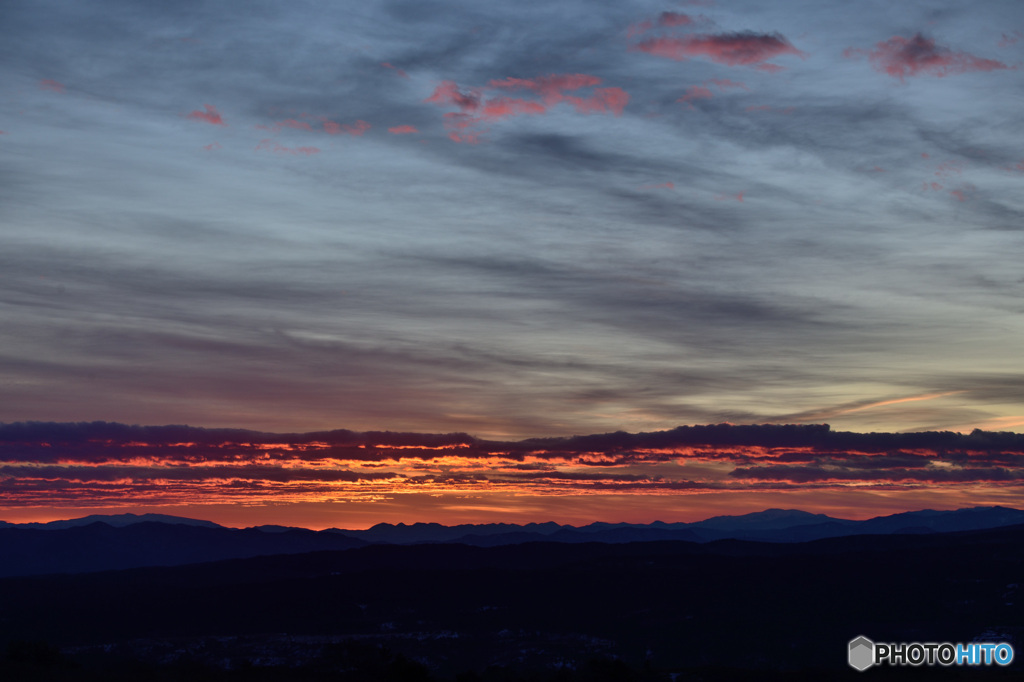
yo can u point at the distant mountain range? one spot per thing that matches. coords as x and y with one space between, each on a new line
96 543
115 520
771 525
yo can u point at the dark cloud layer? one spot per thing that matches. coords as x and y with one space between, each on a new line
800 453
816 436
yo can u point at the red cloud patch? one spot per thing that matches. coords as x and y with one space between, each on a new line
1010 39
211 115
503 107
212 146
639 29
475 110
666 20
919 56
402 130
464 138
604 101
52 85
732 49
552 89
696 92
397 70
448 93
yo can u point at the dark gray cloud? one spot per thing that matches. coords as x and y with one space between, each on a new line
108 442
100 462
773 248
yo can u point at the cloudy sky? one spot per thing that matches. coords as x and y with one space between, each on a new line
529 220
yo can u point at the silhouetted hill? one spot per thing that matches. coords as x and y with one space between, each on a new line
120 521
769 519
99 546
772 525
676 607
127 540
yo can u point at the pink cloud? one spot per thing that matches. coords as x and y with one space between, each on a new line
934 186
397 70
502 107
877 169
604 100
919 56
550 87
958 194
273 146
448 93
292 123
211 115
947 168
639 29
212 146
465 138
356 129
731 49
403 130
52 85
695 92
666 20
924 155
1019 168
1010 39
476 110
664 185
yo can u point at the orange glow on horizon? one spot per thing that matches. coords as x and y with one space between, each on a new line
601 476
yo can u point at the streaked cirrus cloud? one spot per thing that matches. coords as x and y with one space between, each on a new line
218 215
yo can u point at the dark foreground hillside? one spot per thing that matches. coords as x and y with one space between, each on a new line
660 610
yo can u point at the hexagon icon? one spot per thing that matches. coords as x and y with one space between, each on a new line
862 653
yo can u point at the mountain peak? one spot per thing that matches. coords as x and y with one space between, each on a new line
766 519
120 521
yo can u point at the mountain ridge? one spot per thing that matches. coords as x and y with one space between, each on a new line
96 543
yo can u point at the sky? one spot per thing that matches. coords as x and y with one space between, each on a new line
522 221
